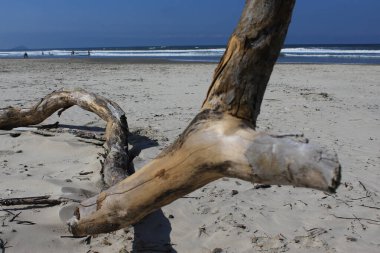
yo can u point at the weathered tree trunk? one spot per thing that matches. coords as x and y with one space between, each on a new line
115 166
221 140
242 75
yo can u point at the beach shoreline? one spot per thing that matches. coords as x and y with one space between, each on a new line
148 60
297 53
335 105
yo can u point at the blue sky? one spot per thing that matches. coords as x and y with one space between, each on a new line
99 23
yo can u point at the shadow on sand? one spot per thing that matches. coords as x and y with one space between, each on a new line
152 234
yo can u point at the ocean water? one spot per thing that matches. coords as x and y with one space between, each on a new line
344 54
337 54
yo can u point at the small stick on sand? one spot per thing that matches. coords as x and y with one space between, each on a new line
38 200
354 218
372 207
49 126
2 245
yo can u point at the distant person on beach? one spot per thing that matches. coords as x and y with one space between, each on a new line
26 55
72 52
88 53
43 53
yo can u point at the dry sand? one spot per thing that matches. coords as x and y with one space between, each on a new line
335 105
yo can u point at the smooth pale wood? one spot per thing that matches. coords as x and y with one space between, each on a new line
217 145
116 163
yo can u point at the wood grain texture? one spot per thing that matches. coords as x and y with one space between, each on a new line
219 145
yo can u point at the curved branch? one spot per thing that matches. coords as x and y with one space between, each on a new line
115 167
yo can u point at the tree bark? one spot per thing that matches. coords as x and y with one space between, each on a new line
116 163
242 75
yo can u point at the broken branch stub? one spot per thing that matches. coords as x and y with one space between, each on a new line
216 145
116 164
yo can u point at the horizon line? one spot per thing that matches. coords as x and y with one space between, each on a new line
22 48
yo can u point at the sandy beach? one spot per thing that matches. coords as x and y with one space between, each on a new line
335 105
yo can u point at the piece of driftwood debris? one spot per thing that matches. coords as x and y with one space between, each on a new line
94 142
49 126
88 135
372 207
261 186
116 164
2 245
355 218
221 141
38 200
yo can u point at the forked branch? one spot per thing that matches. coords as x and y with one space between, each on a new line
219 142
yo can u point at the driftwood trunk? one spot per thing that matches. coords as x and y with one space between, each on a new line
221 141
242 75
